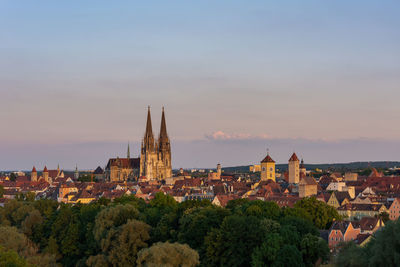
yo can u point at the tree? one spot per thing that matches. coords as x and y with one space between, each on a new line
196 223
31 222
10 258
384 248
13 177
313 249
266 254
126 244
168 255
351 255
236 239
1 191
384 216
111 217
302 226
289 256
322 215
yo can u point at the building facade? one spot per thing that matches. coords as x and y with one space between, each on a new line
294 169
155 155
267 168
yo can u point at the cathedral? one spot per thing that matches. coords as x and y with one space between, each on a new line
155 157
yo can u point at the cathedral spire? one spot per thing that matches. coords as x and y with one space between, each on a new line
149 128
128 152
163 128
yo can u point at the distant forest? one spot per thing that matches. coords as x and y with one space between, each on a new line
352 166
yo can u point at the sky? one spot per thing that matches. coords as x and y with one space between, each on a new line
321 78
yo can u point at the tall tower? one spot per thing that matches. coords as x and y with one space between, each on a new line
76 173
34 174
164 150
294 169
303 171
46 174
219 170
148 154
267 168
128 152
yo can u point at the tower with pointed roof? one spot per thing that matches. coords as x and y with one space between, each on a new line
34 174
76 172
155 155
46 174
303 171
267 168
294 169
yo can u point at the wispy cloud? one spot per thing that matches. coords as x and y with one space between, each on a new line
220 135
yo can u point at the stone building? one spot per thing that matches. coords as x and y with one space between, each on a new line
307 187
154 162
155 156
122 169
267 168
294 169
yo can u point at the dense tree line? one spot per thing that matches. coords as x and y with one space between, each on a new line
382 250
131 232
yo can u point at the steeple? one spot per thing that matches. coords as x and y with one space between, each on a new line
128 152
149 128
148 143
163 128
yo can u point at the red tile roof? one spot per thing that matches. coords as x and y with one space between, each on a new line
294 157
267 159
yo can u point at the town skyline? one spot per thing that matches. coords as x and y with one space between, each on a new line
76 79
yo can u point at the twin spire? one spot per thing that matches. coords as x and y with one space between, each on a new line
149 137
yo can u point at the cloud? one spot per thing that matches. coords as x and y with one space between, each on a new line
220 135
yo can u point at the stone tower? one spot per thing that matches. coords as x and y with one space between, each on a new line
34 174
267 168
76 173
294 169
155 156
164 151
46 174
219 170
303 171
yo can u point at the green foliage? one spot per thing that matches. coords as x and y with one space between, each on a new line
13 177
289 256
128 232
382 250
352 255
10 258
1 191
168 255
321 214
196 223
230 245
267 253
313 248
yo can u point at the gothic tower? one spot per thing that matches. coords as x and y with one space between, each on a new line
148 155
155 156
164 150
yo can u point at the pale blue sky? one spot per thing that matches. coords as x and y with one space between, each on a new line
76 77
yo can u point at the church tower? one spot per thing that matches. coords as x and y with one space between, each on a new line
294 169
34 174
46 174
164 150
148 155
267 168
155 156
